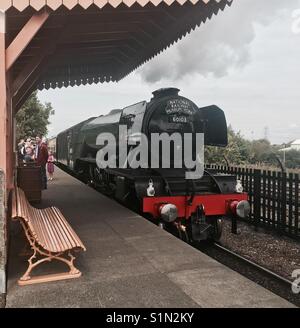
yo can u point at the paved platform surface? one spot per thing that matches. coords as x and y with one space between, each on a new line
129 262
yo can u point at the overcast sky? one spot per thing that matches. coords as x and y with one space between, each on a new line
246 60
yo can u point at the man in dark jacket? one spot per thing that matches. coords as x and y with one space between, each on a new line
41 158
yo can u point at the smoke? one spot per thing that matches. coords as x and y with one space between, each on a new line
219 45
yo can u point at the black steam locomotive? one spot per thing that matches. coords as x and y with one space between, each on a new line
195 207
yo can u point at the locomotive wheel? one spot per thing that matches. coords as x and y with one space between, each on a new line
218 228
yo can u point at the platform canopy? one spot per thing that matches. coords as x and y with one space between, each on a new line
58 43
90 41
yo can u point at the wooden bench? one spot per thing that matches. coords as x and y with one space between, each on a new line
50 237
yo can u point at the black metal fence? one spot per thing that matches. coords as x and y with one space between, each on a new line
274 197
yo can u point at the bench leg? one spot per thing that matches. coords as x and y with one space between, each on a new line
26 279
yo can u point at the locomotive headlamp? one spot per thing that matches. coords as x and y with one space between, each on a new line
150 189
168 212
241 209
239 187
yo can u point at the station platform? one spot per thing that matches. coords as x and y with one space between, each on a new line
129 262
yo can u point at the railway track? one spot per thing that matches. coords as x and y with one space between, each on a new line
253 271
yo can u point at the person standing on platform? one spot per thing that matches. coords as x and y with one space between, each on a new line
21 150
29 156
50 166
41 157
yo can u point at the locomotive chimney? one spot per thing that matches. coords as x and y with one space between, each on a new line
165 92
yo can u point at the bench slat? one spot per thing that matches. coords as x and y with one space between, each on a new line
62 232
57 242
71 236
41 233
52 238
72 233
24 212
62 228
23 206
33 219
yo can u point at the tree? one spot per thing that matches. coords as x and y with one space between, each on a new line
33 118
237 151
262 152
242 151
292 159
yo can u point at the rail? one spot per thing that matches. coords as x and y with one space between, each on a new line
268 279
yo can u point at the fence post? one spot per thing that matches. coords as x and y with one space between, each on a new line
283 199
257 197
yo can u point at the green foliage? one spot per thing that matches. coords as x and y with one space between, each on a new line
242 151
292 159
33 118
261 151
237 151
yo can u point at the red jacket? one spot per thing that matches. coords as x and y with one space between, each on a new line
42 157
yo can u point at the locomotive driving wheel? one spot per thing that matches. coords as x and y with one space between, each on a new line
218 228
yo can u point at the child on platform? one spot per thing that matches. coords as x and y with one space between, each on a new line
50 166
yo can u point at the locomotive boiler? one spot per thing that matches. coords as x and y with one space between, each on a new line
194 207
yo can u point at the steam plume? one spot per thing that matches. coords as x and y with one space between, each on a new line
219 45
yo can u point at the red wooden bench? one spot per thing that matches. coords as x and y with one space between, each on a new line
50 237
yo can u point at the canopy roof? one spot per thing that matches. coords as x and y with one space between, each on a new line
91 41
37 5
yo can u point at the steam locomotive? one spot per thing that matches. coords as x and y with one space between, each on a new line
194 207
